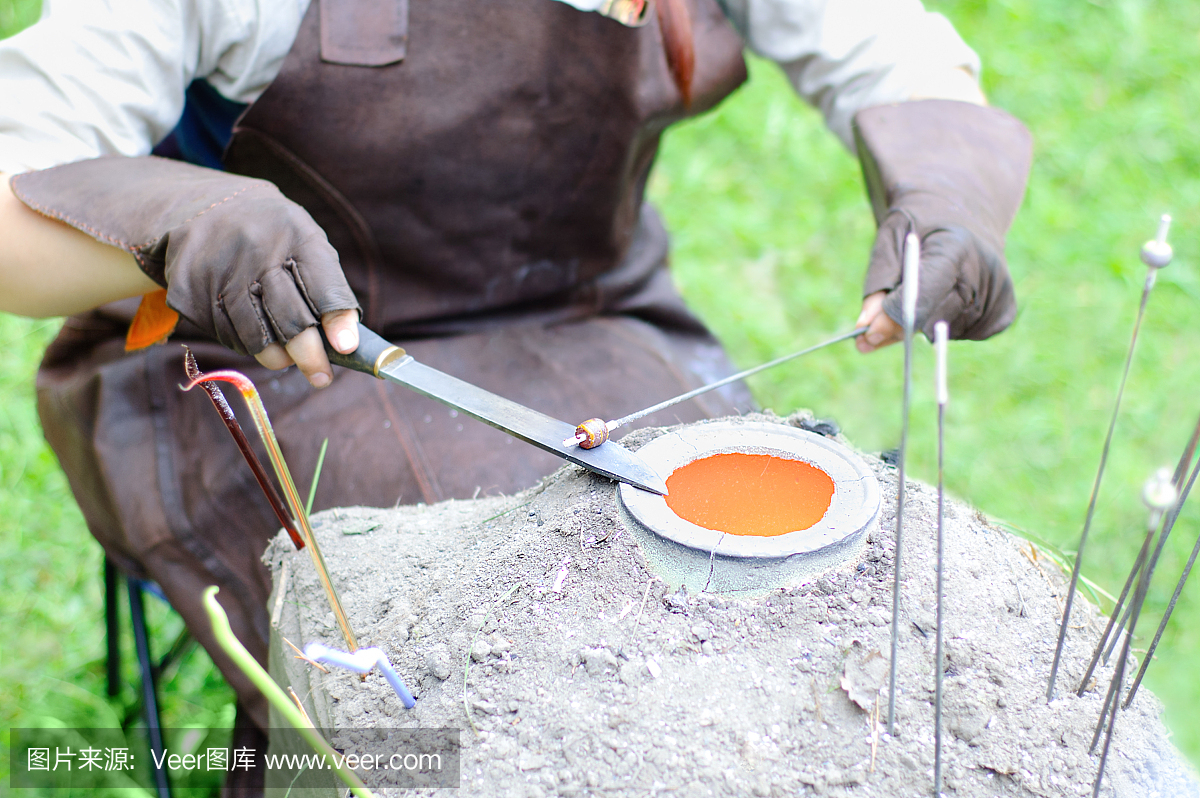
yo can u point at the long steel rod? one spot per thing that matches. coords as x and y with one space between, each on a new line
941 333
1112 621
911 277
1159 495
1181 469
1177 480
712 386
1155 254
1183 577
1120 625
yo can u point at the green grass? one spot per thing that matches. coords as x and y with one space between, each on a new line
16 15
52 660
772 231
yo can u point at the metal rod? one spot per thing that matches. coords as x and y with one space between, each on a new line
1112 620
141 641
911 277
1177 480
1155 254
1183 577
941 333
1159 495
1116 637
692 394
112 628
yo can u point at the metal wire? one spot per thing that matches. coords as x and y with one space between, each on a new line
1168 525
1183 577
912 249
1114 689
943 398
1177 480
1087 524
1156 254
623 420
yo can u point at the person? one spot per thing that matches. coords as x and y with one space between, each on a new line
468 180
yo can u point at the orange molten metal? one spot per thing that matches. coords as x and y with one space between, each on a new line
750 494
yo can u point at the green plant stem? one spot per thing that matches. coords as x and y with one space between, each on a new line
312 489
271 691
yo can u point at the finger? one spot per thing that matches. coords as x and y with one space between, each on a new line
242 326
284 305
881 330
871 306
274 357
308 351
341 328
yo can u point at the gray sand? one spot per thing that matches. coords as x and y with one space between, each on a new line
588 676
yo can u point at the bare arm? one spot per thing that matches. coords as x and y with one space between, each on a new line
50 269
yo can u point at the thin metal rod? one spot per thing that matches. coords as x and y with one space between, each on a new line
1139 598
1112 643
940 336
692 394
141 641
112 628
1176 480
1159 495
1091 509
1156 254
1183 577
912 248
1112 621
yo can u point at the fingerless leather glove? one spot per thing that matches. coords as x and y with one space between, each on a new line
955 174
238 259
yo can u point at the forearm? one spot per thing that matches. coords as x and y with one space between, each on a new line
50 269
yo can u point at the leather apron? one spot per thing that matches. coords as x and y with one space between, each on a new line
485 196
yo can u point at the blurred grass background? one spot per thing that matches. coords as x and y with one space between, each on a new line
772 230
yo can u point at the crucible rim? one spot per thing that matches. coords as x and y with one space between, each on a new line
854 506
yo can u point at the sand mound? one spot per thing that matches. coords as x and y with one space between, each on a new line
588 675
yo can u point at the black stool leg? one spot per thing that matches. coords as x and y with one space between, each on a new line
112 629
149 691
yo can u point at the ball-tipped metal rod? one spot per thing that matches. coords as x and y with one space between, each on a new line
941 334
1183 577
911 285
1159 495
1168 525
1156 254
609 426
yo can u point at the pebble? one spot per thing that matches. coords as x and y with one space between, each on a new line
436 664
598 661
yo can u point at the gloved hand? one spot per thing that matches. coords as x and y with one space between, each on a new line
246 265
954 173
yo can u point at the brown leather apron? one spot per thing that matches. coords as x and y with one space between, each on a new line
485 195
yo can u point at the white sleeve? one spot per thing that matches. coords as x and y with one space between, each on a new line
105 77
845 55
